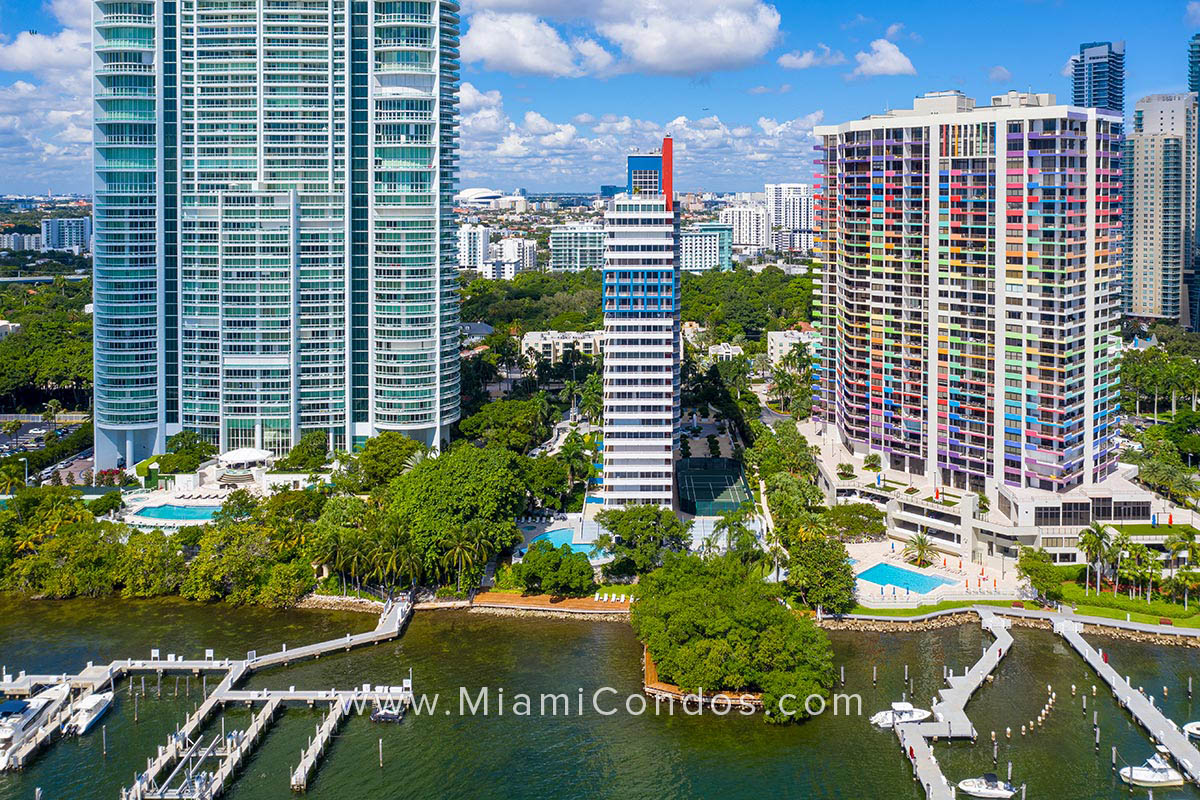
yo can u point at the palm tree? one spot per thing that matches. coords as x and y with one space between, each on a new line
1183 541
1120 547
732 525
11 479
574 457
415 458
776 550
50 415
410 562
541 408
11 428
919 549
592 398
462 551
568 394
1094 541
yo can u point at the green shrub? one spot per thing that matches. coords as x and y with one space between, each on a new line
1075 594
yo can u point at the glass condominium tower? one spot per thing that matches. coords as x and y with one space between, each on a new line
274 247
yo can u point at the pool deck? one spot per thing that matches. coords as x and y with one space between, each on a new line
965 580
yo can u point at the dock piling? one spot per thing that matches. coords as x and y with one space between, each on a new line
104 739
381 752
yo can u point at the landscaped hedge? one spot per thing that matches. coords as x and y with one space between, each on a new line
1074 594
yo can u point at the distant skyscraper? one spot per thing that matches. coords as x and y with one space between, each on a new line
1160 273
274 232
474 246
1194 63
641 330
1098 76
576 246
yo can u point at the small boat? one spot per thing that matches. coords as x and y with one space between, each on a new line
987 785
1192 729
20 719
87 712
1157 771
898 714
387 712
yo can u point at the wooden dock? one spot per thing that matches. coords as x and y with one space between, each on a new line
311 756
950 718
177 770
1157 724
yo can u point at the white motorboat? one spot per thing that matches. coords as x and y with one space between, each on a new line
1192 729
90 709
898 714
987 785
1157 771
20 719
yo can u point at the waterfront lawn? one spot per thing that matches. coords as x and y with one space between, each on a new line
1148 619
945 605
1077 596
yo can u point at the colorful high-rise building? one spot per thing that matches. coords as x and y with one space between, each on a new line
1098 76
275 246
968 290
642 355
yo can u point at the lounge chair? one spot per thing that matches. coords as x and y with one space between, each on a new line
597 597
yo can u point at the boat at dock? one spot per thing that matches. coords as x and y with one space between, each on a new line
898 714
90 709
20 719
1157 771
987 785
1192 729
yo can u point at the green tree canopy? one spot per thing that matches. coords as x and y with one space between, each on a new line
820 574
638 536
556 571
508 423
310 453
711 627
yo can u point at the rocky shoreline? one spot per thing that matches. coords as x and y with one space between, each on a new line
1140 637
597 616
331 602
898 624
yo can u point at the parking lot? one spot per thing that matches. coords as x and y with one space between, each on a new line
32 437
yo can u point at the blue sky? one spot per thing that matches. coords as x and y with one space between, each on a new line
556 91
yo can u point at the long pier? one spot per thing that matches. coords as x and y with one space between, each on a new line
177 770
950 718
1157 724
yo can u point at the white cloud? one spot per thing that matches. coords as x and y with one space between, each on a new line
1068 69
45 114
470 98
518 43
894 30
999 74
675 37
859 19
583 119
821 57
885 58
1193 13
783 88
537 124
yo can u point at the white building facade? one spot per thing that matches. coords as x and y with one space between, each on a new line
67 233
642 356
474 246
576 247
522 251
751 225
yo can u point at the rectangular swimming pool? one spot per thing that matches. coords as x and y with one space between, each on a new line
174 512
891 575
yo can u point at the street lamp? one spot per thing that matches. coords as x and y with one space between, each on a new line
26 462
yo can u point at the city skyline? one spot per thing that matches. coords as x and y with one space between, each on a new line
739 90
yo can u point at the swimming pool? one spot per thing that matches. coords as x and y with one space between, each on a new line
560 536
170 511
891 575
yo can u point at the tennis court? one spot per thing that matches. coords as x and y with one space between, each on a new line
709 487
